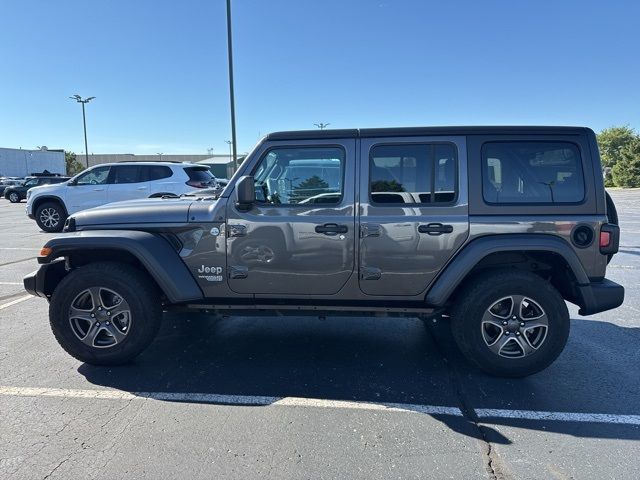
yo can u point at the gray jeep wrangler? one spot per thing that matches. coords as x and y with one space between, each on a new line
492 228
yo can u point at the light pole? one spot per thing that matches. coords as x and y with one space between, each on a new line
321 125
160 155
79 99
230 143
231 95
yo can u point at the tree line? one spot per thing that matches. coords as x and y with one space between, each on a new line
620 155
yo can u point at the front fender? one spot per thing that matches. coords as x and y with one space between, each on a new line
155 254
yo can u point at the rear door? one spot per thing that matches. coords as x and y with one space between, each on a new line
125 183
413 212
299 236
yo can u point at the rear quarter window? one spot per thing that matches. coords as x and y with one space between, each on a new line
534 172
199 174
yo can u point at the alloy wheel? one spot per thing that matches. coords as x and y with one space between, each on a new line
100 317
49 217
514 327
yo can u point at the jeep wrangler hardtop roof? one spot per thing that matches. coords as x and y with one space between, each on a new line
418 131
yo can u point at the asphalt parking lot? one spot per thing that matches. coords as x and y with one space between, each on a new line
309 398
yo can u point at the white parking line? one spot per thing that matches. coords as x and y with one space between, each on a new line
21 248
17 300
560 416
253 400
10 283
227 399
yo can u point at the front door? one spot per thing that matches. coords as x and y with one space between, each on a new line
89 190
299 236
413 211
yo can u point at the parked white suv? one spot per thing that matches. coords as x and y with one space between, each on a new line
50 205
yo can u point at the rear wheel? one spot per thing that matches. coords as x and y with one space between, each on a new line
14 197
105 313
510 323
50 217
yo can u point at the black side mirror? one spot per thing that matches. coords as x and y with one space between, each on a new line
245 192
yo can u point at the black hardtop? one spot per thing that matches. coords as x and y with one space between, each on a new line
426 131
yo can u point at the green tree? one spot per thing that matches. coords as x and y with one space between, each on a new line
73 165
626 171
611 141
311 187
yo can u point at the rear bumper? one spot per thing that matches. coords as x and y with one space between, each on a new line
600 296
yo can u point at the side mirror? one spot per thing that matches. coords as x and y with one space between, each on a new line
245 192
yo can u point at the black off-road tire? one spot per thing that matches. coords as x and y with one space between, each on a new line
478 295
50 217
134 286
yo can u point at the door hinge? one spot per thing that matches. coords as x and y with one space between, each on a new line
237 230
370 230
370 273
236 272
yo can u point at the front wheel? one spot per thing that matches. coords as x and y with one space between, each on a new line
50 217
105 313
14 197
510 323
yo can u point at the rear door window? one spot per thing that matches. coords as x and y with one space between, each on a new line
154 172
413 173
532 172
126 174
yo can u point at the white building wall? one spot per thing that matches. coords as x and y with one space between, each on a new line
21 163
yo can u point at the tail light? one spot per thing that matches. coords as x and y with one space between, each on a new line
609 238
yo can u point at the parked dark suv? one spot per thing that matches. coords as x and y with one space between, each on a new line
16 193
492 228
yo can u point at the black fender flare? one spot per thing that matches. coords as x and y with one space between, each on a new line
155 254
467 258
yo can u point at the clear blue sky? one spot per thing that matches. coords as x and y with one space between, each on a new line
159 71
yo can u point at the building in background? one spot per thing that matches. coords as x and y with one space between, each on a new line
16 162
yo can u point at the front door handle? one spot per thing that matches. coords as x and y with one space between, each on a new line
435 228
331 229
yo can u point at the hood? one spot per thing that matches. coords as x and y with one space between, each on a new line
46 188
135 212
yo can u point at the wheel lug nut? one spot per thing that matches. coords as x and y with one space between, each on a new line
98 324
517 333
93 315
506 333
522 324
108 323
108 313
514 317
504 323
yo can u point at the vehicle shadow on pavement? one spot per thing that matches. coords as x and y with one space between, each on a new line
383 360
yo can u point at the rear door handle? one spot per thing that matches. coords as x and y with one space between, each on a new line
435 228
331 229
